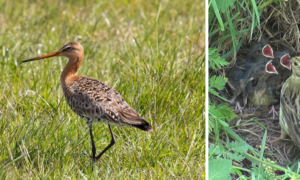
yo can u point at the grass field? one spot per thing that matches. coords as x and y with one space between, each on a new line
150 52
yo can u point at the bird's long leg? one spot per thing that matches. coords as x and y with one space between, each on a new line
93 143
112 142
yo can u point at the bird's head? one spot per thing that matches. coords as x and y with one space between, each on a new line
72 50
295 61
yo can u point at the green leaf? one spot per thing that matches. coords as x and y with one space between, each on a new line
224 5
235 156
219 115
223 123
225 112
258 173
216 150
219 169
238 146
217 82
231 29
217 13
215 61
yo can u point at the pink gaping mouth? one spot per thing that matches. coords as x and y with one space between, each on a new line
267 51
270 68
284 61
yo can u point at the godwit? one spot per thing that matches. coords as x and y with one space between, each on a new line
92 100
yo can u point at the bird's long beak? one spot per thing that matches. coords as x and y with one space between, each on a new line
56 53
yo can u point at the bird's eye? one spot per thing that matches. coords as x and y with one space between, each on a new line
68 48
295 63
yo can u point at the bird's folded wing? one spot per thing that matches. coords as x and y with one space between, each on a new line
131 117
291 115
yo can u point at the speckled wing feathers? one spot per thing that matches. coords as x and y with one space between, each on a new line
289 113
95 101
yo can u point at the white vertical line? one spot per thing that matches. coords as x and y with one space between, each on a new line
206 89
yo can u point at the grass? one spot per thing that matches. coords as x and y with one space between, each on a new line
150 52
241 149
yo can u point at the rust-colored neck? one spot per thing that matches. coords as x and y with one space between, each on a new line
70 71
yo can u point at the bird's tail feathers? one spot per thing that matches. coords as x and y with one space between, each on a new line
135 120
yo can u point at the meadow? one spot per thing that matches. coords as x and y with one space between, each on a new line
151 52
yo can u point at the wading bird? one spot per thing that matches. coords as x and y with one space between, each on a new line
92 100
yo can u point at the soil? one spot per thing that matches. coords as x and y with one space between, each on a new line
283 151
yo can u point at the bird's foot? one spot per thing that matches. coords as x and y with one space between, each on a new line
274 112
239 107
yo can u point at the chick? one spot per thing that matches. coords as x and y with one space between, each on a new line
283 66
289 114
258 93
258 49
249 68
242 73
267 93
281 58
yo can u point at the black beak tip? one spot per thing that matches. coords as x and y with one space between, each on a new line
27 60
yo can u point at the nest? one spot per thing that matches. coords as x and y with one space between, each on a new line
279 22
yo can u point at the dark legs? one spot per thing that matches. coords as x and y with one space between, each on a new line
112 142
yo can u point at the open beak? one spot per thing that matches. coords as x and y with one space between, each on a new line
270 68
57 53
285 62
267 51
